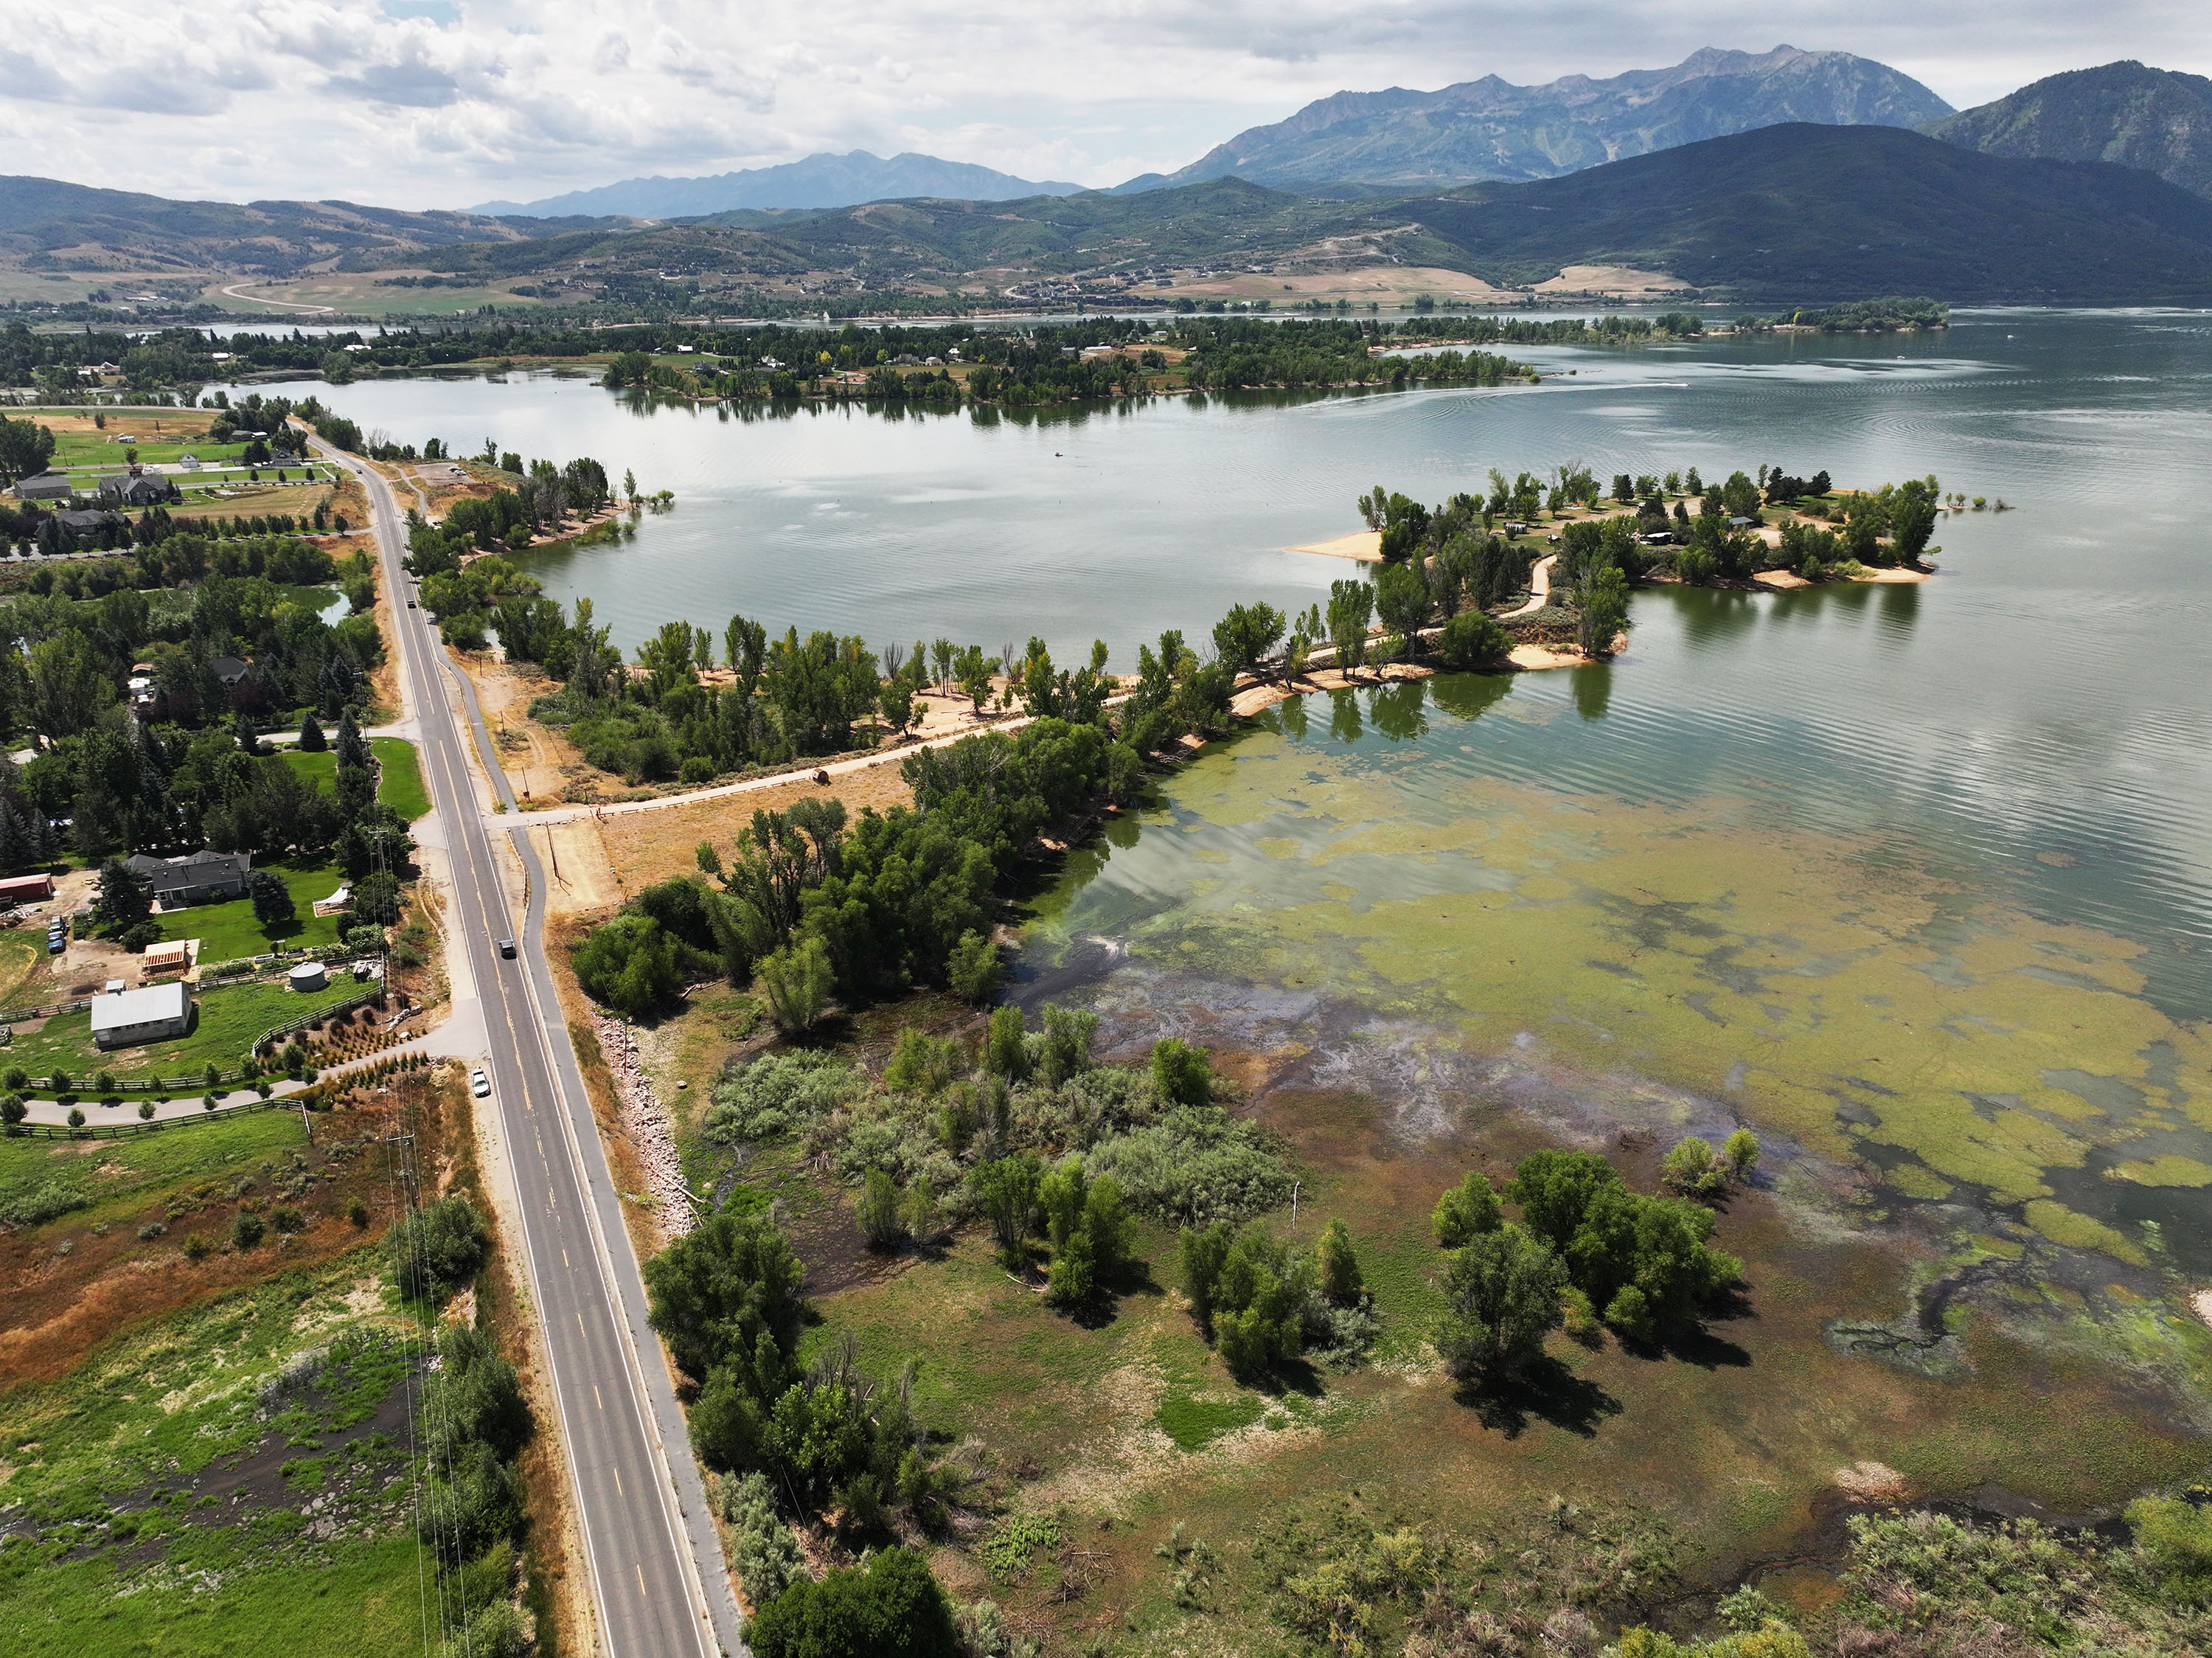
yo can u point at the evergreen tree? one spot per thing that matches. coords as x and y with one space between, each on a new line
312 741
352 746
15 837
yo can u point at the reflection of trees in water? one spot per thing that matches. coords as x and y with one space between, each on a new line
1344 722
1592 690
1398 711
1291 718
1712 615
1469 695
1900 605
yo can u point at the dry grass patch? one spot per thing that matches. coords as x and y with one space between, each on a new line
645 847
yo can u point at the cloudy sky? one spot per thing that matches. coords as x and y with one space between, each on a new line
445 103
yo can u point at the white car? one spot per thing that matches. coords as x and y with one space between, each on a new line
480 1084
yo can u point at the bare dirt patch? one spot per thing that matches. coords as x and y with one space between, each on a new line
1610 282
540 762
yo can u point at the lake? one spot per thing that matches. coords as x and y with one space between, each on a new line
1914 880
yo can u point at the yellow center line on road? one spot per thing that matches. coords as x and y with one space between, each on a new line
596 1400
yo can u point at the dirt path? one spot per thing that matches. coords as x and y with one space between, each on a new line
1540 587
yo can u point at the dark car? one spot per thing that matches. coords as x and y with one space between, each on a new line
506 948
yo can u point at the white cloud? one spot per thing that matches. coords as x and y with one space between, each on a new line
423 103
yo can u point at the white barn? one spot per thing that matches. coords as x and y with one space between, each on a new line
123 1019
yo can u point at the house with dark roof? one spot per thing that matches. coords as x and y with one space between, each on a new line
200 877
135 488
45 486
230 670
90 521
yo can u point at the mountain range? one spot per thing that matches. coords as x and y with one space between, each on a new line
48 225
2154 120
1491 129
1777 214
822 181
2089 187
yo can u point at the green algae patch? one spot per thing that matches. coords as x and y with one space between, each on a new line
1875 1007
2165 1170
2064 1226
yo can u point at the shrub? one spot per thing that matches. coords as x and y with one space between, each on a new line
1740 1149
196 1248
1630 1314
247 1230
357 1212
43 1201
13 1110
1466 1211
76 1117
1337 1269
772 1095
878 1211
889 1608
1181 1073
288 1220
1194 1167
1472 638
630 964
1690 1171
145 1110
766 1555
797 982
433 1249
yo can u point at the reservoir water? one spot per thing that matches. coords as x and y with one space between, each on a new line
1913 879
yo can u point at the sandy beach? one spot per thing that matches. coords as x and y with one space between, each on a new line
1366 546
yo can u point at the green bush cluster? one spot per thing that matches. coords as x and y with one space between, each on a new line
1263 1305
984 1132
435 1249
1585 1246
727 1300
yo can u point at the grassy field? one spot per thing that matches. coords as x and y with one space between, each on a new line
399 784
228 1018
126 1561
228 931
24 975
51 1172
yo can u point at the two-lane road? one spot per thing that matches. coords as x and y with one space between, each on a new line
656 1571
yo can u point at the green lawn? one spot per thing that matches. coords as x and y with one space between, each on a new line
73 449
400 786
228 931
229 1018
317 770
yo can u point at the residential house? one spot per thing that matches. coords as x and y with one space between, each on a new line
123 1019
88 522
135 488
46 486
188 462
200 877
230 670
